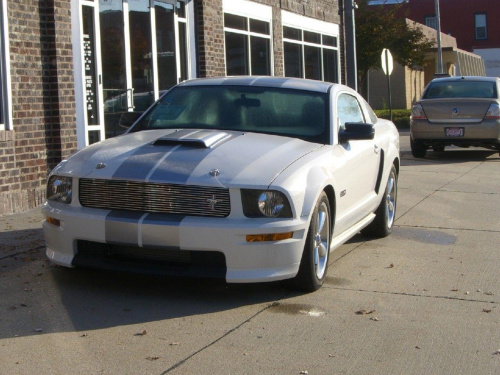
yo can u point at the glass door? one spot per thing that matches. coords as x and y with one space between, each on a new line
143 54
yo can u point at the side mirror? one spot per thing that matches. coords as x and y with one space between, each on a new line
127 119
356 131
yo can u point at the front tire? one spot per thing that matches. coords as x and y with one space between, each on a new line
314 263
382 225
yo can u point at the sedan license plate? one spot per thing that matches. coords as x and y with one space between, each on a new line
454 132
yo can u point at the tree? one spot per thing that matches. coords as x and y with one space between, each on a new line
384 26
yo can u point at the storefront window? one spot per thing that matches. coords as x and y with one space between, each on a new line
310 54
248 45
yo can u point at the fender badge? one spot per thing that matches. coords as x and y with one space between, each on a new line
342 193
100 166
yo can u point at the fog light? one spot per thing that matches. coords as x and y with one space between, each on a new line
269 237
53 221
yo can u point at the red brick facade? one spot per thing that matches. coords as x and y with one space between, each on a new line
43 128
43 115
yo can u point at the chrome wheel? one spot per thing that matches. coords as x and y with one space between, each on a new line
321 240
385 214
314 263
390 200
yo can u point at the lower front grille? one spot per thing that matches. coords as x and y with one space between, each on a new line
162 261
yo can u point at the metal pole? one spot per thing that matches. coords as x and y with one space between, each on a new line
388 81
438 26
350 45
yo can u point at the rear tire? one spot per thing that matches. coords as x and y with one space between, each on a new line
418 149
314 263
382 225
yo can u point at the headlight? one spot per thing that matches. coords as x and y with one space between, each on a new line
265 203
59 189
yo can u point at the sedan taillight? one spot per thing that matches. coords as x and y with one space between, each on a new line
417 112
493 112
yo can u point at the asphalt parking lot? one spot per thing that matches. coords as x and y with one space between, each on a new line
425 300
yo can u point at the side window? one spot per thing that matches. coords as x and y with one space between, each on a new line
348 110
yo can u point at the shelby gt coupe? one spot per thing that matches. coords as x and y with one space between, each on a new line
245 178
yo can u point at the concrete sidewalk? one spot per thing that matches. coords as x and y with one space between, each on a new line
21 234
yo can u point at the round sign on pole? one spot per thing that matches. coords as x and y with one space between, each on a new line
387 62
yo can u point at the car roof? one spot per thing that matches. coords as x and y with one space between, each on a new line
466 78
263 81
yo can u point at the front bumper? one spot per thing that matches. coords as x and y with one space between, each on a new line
244 261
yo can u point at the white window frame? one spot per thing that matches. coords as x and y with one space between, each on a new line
480 21
6 95
250 10
431 21
78 60
316 26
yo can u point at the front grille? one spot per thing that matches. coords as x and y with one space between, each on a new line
186 200
159 261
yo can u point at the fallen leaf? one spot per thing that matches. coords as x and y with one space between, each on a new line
391 265
141 333
497 352
331 355
84 335
488 293
38 330
304 372
418 347
152 358
364 312
374 318
454 290
487 310
174 343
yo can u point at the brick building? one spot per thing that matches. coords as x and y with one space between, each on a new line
70 68
474 25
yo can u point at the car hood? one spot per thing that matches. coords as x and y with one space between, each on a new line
189 156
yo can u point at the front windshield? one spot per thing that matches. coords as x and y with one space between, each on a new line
293 113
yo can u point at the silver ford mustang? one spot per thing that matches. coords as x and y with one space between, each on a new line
249 179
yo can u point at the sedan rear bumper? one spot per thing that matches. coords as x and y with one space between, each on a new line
484 134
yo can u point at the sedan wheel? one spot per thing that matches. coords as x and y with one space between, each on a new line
418 149
314 262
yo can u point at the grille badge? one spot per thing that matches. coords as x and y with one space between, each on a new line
212 202
214 172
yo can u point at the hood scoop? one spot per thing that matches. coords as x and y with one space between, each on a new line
200 139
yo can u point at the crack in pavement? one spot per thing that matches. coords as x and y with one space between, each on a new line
412 295
447 228
181 362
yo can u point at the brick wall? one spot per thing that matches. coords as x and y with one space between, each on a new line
43 124
209 14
